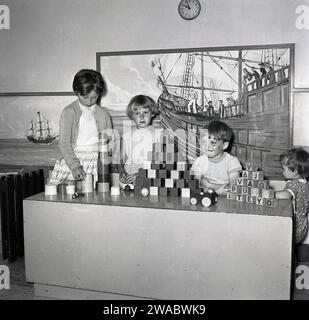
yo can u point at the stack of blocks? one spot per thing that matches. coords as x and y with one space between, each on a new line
165 173
252 188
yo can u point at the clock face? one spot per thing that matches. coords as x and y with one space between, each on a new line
189 9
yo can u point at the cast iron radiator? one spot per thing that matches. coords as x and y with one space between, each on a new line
13 189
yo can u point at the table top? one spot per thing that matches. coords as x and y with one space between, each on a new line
129 199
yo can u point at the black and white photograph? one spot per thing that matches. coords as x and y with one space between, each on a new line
154 151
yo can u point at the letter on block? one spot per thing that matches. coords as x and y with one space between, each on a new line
268 193
239 197
151 173
230 196
259 201
169 183
263 184
273 203
257 175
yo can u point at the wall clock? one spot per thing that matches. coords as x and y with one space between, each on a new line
189 9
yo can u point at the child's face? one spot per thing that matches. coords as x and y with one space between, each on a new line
142 116
89 99
213 147
287 173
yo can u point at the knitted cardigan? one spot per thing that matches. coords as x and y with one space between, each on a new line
69 126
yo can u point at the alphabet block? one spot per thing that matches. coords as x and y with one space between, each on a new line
185 192
264 184
174 192
249 183
255 192
230 196
151 173
180 183
259 201
174 174
249 199
234 188
257 175
273 203
163 191
240 197
169 183
250 166
147 165
154 191
268 193
247 174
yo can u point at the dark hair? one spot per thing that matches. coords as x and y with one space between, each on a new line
220 130
296 159
141 101
87 80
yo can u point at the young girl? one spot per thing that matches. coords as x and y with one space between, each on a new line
137 142
295 168
80 125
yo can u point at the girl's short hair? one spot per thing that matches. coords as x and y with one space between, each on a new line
220 130
87 80
141 101
296 159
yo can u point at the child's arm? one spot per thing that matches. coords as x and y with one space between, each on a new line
223 188
284 194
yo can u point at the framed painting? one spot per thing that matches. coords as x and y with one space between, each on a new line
248 88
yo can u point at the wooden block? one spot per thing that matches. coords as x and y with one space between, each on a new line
234 188
162 174
147 165
239 181
180 183
174 174
254 192
139 181
273 203
247 174
268 193
239 197
249 183
244 190
151 173
155 166
147 182
142 173
185 192
163 191
257 175
193 184
259 201
170 166
157 182
154 191
174 192
169 183
181 166
250 166
249 199
137 189
239 189
230 196
255 183
264 184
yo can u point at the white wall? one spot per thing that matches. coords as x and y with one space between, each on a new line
50 40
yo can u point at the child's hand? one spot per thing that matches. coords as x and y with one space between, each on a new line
223 189
78 173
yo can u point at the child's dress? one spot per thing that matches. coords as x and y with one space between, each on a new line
86 149
300 193
137 145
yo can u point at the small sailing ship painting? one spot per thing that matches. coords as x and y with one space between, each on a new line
40 130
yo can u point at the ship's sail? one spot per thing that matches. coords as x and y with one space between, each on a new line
40 130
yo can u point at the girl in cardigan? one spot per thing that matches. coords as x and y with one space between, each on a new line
80 125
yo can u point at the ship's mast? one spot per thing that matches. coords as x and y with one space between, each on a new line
202 79
40 124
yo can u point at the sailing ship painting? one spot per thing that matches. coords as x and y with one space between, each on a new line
247 88
40 130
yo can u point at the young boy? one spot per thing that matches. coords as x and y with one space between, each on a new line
216 169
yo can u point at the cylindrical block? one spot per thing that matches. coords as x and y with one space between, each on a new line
50 190
78 185
87 187
115 191
103 186
70 189
61 188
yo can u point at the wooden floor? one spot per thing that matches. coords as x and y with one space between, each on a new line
20 289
